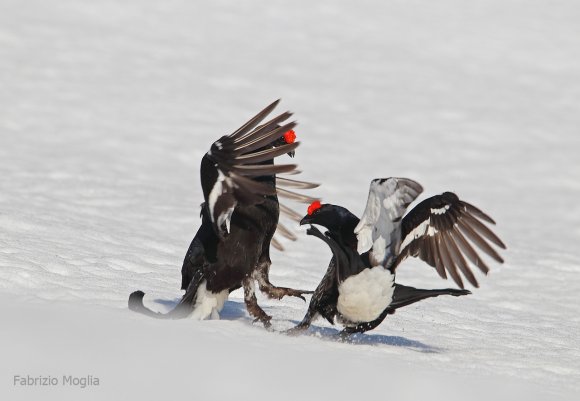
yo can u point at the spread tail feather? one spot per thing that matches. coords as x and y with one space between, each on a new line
404 295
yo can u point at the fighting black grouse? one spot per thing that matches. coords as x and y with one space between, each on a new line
239 218
359 286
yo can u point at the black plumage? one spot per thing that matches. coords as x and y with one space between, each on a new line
240 215
454 224
430 229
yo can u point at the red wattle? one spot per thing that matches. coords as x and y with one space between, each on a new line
314 206
290 136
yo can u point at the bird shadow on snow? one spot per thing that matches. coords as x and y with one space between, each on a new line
169 304
329 333
237 310
232 310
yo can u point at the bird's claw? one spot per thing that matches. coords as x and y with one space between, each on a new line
296 330
300 294
265 320
283 292
343 335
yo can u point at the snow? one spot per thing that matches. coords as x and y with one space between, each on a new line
106 109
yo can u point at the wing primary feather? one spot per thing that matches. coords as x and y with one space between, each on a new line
254 121
424 252
266 154
264 128
286 232
483 230
444 231
469 251
430 256
295 196
257 170
251 186
477 212
480 242
293 172
448 263
263 140
288 183
276 244
439 267
290 213
459 260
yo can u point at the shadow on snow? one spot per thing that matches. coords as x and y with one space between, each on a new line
234 310
332 334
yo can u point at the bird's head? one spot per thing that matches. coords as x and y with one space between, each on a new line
339 221
288 138
325 214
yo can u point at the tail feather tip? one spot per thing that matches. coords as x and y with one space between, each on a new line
136 300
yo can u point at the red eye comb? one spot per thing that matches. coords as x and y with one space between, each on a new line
290 136
314 206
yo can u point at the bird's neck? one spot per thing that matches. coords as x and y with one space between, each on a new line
344 233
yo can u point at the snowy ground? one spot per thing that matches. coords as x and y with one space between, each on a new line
107 107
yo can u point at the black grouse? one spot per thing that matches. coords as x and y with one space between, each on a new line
359 286
239 218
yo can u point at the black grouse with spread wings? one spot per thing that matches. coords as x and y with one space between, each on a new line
359 286
239 218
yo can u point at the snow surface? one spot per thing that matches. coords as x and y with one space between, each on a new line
106 108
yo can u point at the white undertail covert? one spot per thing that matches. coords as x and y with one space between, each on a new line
363 297
208 305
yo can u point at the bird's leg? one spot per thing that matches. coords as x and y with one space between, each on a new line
262 273
303 325
362 327
359 328
252 303
195 257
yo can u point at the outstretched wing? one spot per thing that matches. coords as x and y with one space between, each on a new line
441 230
230 168
288 212
379 227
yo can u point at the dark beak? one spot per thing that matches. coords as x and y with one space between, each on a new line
305 220
291 154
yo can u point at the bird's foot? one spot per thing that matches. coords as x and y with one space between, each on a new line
344 334
281 292
252 304
265 320
296 330
259 315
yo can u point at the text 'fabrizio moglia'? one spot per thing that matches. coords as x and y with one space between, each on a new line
53 381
